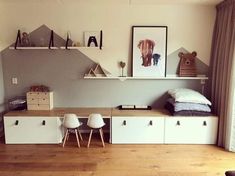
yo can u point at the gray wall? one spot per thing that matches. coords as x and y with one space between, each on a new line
63 72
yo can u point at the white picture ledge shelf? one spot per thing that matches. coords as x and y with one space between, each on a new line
78 47
46 47
149 78
32 48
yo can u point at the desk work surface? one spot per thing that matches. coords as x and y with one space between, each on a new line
59 112
84 112
136 113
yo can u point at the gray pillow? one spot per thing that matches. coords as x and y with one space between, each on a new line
181 106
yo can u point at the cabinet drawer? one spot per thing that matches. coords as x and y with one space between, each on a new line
191 130
43 101
19 130
137 130
38 107
32 100
32 95
38 94
45 95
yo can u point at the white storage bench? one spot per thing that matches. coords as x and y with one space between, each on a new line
158 127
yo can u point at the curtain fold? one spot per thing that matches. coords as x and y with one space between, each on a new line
223 44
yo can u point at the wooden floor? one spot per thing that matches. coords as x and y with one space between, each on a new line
114 160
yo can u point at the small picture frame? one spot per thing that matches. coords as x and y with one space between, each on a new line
92 38
149 51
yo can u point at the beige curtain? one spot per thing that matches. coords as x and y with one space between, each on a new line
221 66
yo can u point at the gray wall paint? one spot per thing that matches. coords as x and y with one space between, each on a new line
63 72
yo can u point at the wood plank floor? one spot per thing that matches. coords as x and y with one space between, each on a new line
114 160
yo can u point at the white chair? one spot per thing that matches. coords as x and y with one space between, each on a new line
71 123
95 121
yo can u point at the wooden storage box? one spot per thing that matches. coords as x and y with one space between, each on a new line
39 100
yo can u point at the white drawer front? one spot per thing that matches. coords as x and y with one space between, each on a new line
137 130
20 130
191 130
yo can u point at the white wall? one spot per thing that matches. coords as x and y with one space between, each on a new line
189 26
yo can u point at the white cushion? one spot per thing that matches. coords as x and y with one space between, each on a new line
188 95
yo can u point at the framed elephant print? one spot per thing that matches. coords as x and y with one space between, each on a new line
149 51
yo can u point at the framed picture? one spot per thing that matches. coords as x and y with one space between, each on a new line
149 51
92 38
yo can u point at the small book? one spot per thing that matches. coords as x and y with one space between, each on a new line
134 107
143 107
127 107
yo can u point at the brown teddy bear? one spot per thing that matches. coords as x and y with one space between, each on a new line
187 64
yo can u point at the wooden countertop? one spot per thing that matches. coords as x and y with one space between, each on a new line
153 112
59 112
84 112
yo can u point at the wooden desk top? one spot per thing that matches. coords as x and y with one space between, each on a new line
84 112
59 112
153 112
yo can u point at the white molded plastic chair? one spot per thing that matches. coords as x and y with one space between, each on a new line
71 123
95 121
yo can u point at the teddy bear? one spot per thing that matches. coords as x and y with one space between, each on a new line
187 64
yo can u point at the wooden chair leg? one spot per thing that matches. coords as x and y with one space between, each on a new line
89 140
76 133
68 136
80 135
65 137
102 136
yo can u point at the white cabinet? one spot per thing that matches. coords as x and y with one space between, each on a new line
39 100
137 130
32 130
191 130
160 130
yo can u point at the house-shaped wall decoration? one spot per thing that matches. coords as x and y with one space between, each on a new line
98 71
91 73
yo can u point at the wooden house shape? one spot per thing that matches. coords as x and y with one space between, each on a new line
98 71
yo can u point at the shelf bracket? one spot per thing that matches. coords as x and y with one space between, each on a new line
51 43
67 41
203 82
18 39
101 39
